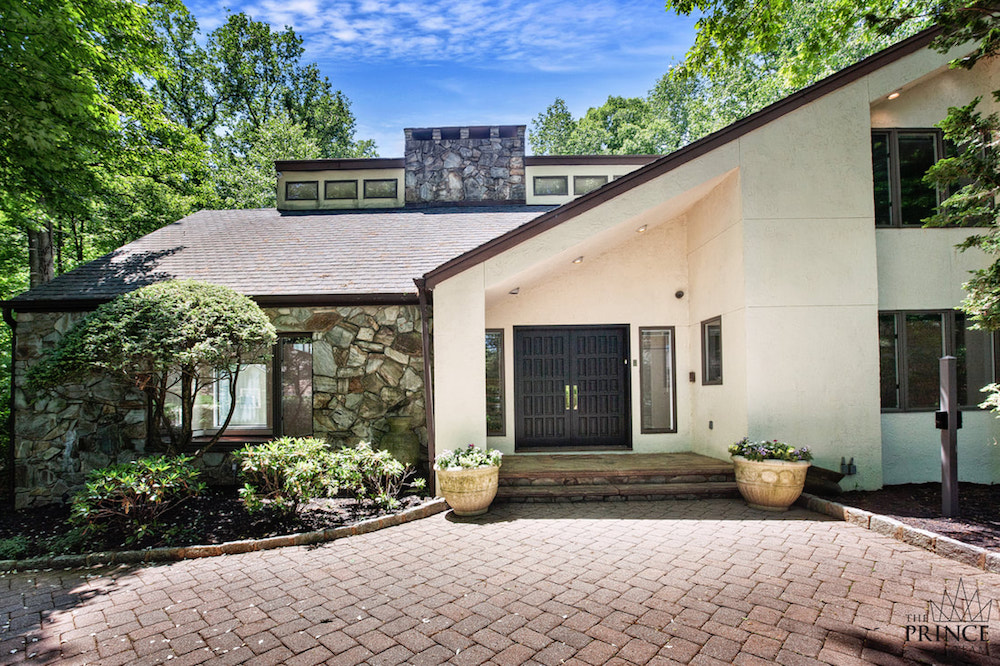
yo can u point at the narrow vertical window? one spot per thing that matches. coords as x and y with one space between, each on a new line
882 179
917 200
924 348
888 351
495 422
711 351
294 359
976 360
656 379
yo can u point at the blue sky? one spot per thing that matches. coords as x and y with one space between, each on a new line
454 62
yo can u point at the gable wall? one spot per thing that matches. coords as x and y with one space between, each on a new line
718 414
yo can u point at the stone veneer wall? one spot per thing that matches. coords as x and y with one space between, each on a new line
464 169
367 365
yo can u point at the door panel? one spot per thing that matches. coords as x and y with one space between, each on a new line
571 386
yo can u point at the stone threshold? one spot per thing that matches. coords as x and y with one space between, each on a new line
436 505
975 556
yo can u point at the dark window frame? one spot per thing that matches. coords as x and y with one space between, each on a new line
289 183
501 380
576 190
949 346
643 430
895 183
273 365
565 183
327 183
705 379
395 187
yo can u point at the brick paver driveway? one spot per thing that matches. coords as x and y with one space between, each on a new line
708 582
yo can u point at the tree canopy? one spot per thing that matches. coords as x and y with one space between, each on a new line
171 341
722 79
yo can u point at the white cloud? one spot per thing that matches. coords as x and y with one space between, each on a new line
540 35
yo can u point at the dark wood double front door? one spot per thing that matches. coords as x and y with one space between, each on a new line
571 387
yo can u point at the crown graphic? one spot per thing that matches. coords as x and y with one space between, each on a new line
960 607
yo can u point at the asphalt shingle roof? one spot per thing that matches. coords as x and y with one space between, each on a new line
263 252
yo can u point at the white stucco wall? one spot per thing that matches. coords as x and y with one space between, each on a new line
775 232
921 269
716 288
811 291
459 361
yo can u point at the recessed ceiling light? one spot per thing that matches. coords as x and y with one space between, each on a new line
578 260
641 229
894 94
515 291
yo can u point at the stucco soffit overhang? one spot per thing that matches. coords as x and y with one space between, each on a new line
679 157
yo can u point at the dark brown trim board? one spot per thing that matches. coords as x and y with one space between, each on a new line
679 157
590 160
338 165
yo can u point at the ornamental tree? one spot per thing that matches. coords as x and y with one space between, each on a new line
171 341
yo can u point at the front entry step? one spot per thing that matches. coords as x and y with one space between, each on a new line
611 477
610 492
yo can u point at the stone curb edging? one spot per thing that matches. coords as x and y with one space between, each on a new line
975 556
430 508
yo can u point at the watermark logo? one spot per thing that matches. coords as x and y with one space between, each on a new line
960 616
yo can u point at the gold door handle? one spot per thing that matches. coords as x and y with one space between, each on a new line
567 397
576 397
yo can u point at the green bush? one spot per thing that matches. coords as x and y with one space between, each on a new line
284 473
372 475
131 497
14 548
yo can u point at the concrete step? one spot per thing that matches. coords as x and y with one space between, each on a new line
610 491
573 478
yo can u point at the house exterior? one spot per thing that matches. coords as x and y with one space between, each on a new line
770 280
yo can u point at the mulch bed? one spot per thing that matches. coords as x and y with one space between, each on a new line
919 505
216 517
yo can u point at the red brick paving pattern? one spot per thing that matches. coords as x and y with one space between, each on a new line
706 582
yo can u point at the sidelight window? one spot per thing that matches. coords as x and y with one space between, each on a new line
657 380
711 351
495 422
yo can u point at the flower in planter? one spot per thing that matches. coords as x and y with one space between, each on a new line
469 457
769 450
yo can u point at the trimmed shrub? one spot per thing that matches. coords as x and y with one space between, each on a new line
373 475
285 473
131 497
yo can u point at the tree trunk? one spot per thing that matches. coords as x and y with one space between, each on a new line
40 260
187 407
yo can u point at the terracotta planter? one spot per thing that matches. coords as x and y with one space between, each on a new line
770 485
468 492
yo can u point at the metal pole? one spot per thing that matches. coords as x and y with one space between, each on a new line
949 437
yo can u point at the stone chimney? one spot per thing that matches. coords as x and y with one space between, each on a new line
464 164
